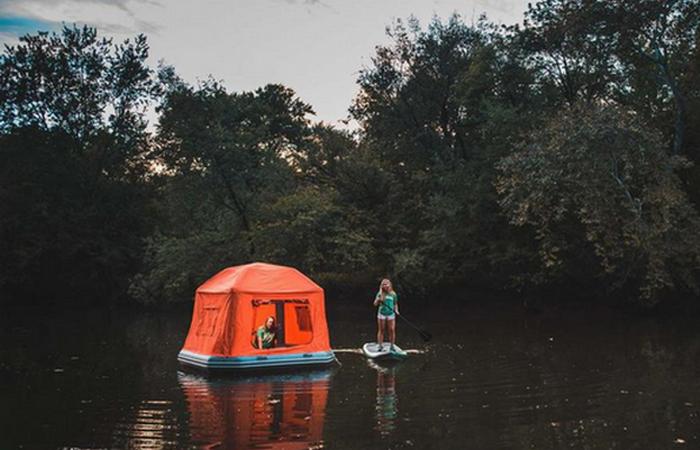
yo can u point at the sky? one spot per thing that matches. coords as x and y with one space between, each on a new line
316 47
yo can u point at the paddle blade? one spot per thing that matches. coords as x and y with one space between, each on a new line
426 336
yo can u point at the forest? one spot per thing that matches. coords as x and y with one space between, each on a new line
554 158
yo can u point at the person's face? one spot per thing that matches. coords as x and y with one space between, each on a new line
270 322
386 285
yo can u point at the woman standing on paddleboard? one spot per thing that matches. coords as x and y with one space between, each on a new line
388 303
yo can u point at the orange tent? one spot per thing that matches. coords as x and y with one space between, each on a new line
231 306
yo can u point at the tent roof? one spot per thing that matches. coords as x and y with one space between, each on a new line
259 278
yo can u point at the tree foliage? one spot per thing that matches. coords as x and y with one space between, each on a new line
597 179
246 177
74 202
559 152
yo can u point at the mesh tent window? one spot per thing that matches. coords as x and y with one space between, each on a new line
292 317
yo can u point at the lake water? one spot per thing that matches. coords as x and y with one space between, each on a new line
493 377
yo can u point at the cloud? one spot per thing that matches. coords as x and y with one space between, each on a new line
21 25
7 39
304 2
121 4
13 27
112 16
309 4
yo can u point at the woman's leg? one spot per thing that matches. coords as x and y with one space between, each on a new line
380 330
392 331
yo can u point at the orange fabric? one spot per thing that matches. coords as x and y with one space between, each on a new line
274 413
260 278
210 332
295 319
225 315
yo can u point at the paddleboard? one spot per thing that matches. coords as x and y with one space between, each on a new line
374 351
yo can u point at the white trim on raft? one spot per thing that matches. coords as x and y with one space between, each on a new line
254 362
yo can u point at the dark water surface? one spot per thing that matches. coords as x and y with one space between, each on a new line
492 378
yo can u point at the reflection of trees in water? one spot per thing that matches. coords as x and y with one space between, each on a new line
151 424
387 401
142 345
273 411
107 387
566 382
500 383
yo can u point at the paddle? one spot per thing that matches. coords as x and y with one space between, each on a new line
425 335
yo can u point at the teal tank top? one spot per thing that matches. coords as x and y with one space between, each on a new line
387 308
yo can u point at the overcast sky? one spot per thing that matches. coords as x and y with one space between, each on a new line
316 47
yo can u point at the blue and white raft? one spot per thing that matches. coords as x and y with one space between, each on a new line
255 362
385 351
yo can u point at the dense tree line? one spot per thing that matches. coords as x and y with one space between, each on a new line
74 192
559 153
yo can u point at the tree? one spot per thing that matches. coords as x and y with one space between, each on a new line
657 41
225 158
571 48
596 181
634 53
91 89
72 142
235 142
438 108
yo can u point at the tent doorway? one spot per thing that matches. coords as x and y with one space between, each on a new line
292 318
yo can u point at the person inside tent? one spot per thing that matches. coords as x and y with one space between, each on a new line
266 335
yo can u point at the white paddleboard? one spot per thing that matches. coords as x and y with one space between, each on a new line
385 351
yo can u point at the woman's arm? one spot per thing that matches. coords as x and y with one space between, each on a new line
377 299
396 304
260 344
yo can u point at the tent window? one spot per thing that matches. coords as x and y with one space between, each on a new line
207 322
292 317
303 318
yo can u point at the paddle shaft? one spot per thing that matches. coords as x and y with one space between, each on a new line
425 335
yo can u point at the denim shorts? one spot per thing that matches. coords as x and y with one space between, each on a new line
381 316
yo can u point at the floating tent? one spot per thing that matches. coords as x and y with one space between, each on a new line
230 306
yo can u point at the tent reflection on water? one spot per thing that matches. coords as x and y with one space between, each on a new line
271 411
